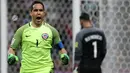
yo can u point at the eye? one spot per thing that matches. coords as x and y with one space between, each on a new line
35 10
40 9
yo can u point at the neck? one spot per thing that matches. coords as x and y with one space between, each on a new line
88 26
36 25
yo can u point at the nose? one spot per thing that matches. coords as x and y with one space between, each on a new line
38 12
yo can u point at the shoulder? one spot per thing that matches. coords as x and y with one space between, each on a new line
89 31
95 29
53 29
100 30
79 35
23 27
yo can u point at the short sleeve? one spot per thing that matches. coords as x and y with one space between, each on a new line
16 39
78 47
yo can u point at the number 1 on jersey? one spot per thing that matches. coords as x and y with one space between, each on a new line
95 49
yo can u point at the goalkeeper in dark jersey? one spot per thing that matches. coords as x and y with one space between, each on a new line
90 47
36 39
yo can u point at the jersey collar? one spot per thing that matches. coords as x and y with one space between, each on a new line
30 24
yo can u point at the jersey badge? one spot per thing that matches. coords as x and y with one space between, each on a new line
45 36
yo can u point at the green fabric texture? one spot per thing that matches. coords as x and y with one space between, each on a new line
36 45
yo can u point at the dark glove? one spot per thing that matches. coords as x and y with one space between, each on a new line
64 58
12 59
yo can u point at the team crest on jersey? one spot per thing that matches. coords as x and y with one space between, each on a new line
45 36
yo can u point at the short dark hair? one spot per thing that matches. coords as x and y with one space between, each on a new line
36 2
84 16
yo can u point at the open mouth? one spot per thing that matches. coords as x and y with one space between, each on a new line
38 18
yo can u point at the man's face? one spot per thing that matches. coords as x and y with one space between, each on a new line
37 14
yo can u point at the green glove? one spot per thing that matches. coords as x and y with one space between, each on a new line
12 59
64 58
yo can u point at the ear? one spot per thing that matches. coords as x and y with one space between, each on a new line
45 13
81 22
90 21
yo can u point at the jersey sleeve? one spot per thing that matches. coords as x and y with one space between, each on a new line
78 47
16 39
104 45
55 33
56 36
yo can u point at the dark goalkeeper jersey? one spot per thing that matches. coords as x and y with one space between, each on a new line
90 47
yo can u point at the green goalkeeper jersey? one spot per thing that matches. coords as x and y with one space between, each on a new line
36 44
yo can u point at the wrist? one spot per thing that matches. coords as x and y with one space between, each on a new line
62 51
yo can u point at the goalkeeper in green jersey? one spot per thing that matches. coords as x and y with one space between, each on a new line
36 39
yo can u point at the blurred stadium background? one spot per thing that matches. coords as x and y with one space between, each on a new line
113 16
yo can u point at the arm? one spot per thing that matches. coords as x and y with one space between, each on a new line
11 51
78 51
104 46
78 48
57 41
63 54
62 51
12 58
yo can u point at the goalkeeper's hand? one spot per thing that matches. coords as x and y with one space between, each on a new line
64 58
12 59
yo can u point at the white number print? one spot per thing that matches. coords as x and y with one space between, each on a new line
95 49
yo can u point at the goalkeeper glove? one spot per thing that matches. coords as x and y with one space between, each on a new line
64 58
12 59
